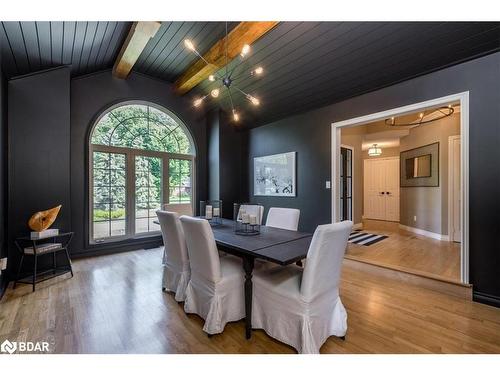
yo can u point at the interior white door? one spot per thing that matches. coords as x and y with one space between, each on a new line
456 232
381 189
391 169
374 189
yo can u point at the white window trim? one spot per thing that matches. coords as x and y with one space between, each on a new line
130 154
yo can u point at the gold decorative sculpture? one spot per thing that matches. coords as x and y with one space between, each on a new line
42 220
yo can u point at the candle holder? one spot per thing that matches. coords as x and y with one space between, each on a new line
244 223
211 211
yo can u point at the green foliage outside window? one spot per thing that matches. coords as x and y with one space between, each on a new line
141 127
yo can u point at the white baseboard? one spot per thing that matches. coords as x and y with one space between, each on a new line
357 226
422 232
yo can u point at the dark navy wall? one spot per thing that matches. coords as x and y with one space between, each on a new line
213 154
3 162
39 151
226 161
90 96
310 135
3 177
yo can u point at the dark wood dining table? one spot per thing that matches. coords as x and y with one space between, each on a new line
280 246
275 245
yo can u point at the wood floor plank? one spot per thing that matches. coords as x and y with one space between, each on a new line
114 304
409 251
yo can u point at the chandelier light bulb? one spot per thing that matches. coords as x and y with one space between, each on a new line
198 102
245 50
236 117
211 78
253 99
189 45
259 70
214 93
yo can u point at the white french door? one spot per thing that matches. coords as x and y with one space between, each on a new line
128 186
381 189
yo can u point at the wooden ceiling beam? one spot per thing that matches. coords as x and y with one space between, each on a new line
243 33
139 35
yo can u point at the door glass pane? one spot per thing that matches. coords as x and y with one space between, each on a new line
109 196
341 162
179 178
349 162
148 192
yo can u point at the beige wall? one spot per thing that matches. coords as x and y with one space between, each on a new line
429 204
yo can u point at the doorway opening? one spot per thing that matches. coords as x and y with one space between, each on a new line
407 188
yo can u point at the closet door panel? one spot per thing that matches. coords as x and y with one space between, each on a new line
392 189
374 184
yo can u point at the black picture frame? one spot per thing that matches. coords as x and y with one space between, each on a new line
433 179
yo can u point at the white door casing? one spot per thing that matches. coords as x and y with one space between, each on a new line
463 99
454 193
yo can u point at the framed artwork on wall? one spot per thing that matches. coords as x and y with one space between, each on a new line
274 175
419 167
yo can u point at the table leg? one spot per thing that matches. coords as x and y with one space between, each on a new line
248 263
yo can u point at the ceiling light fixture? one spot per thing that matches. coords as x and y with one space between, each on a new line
227 79
258 71
374 150
189 45
198 101
424 118
214 93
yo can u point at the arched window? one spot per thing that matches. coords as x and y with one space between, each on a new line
141 157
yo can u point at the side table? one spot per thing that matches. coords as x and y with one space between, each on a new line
35 248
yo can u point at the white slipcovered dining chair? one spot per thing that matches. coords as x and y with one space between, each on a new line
284 218
180 208
176 272
253 209
302 307
215 291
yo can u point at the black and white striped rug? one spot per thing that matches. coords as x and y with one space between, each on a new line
361 238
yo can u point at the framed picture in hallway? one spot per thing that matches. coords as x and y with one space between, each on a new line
419 167
274 175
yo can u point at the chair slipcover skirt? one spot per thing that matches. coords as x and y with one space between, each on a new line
175 279
279 309
176 270
220 302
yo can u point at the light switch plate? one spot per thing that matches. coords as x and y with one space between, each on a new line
328 185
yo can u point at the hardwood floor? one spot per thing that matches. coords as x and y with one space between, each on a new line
410 251
114 304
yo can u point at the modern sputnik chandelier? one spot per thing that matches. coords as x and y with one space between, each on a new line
227 80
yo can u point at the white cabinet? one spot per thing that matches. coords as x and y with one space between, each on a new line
381 189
